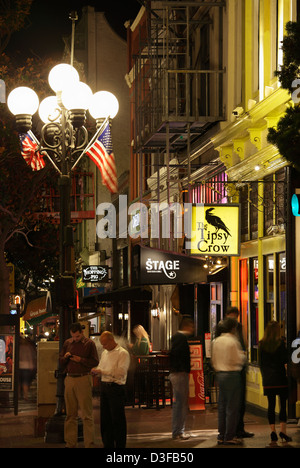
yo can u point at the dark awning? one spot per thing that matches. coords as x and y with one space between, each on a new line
135 294
219 276
38 309
153 266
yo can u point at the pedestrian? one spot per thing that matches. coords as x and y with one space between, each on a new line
78 356
27 365
180 366
112 369
228 360
233 312
273 358
141 346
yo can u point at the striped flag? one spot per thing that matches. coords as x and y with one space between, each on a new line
29 152
101 152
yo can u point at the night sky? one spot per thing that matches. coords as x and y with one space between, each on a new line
49 22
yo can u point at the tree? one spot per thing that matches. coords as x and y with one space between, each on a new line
13 17
20 187
286 136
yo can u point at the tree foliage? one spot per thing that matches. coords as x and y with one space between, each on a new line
14 16
289 70
286 136
21 189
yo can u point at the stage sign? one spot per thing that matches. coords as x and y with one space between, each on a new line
215 230
153 266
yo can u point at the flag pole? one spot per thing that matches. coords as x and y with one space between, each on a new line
91 142
44 152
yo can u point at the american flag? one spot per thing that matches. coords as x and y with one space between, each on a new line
29 152
101 152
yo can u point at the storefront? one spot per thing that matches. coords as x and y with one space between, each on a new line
175 280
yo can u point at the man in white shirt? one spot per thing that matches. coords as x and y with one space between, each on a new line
113 368
228 360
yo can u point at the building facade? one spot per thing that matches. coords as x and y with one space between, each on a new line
203 94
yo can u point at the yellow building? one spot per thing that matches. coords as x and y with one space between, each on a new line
203 95
262 279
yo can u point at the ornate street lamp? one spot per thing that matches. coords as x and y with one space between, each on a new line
64 140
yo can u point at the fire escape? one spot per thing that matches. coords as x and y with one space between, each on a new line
176 92
82 199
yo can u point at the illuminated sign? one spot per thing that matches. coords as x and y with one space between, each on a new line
153 266
296 205
95 274
215 230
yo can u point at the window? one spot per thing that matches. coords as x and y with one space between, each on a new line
244 297
274 203
275 288
253 211
269 286
254 309
282 289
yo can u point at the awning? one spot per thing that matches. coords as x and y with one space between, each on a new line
219 276
38 309
153 266
135 294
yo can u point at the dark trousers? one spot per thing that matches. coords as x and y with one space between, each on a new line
229 404
271 408
112 418
241 425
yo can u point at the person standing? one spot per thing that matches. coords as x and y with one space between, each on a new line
273 358
112 369
78 356
233 312
228 360
27 365
180 366
141 346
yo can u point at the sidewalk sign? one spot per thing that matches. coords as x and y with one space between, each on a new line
196 379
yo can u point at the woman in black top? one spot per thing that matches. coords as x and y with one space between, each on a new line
272 361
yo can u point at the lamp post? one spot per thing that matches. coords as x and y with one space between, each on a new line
64 141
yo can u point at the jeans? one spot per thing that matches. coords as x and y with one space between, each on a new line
230 385
180 384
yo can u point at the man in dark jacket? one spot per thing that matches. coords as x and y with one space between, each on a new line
180 366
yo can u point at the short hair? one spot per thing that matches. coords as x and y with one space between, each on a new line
76 327
232 310
229 324
108 335
186 321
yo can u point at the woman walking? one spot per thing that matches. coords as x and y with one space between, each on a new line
272 361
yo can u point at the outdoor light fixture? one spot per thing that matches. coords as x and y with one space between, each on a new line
155 310
73 98
295 202
61 76
63 140
103 105
23 102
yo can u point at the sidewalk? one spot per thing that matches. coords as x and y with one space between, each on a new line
147 428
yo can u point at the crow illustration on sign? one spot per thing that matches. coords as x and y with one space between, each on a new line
216 221
215 230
